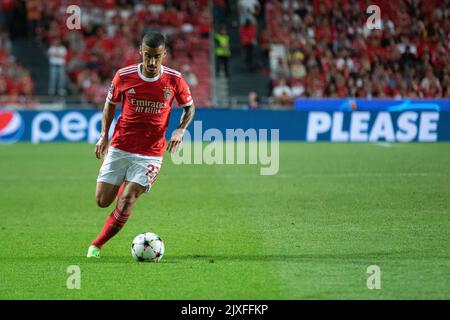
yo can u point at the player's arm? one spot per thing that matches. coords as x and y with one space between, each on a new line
114 97
107 118
177 136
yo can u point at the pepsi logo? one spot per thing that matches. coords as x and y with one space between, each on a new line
11 126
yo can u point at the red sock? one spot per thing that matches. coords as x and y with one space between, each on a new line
120 190
115 221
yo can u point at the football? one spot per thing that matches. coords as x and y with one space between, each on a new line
147 247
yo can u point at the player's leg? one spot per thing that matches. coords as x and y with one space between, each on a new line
117 219
127 199
140 176
105 194
111 176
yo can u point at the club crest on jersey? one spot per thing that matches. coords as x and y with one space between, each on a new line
167 93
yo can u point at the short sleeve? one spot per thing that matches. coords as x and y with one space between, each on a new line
115 93
183 94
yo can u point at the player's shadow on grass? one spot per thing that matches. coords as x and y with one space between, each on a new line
366 257
358 257
179 259
361 257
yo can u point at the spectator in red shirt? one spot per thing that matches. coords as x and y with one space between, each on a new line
248 37
6 13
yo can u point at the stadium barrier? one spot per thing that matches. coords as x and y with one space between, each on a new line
335 126
353 104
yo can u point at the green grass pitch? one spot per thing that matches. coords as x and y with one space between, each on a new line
309 232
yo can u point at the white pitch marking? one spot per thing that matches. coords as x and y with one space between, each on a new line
384 144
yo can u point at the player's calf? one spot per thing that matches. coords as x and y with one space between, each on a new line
127 199
113 224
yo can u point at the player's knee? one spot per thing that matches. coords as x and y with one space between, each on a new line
102 202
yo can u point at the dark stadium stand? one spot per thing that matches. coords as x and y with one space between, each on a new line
245 78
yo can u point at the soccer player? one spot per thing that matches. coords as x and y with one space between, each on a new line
134 156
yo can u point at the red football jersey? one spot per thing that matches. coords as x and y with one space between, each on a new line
146 105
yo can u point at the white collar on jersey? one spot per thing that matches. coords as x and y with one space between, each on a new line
146 78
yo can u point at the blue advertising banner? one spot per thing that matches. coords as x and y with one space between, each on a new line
355 104
337 126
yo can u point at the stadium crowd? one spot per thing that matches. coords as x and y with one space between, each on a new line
16 84
323 48
315 48
110 34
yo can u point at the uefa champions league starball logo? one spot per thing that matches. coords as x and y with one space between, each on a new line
11 126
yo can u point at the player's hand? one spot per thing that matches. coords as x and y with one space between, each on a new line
175 141
101 147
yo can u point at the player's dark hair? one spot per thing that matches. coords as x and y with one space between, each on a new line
153 39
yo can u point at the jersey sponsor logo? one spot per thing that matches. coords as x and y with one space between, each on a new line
147 106
11 126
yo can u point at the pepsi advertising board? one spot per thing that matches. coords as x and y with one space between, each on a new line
311 126
48 126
